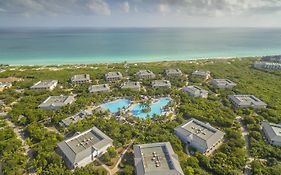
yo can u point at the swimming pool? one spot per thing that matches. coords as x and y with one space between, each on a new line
116 105
156 108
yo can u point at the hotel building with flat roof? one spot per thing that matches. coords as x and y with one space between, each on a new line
83 148
202 136
156 159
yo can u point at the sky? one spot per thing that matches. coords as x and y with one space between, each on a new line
140 13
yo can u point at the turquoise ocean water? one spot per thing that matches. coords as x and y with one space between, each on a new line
66 46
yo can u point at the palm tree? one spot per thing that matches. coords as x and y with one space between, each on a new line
145 105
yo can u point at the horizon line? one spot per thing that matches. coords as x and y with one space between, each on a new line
138 27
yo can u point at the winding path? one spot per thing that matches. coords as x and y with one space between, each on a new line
245 134
27 151
115 169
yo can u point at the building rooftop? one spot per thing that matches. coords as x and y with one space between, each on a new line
57 101
223 82
144 72
113 74
267 65
273 131
81 77
83 141
80 146
201 73
75 118
156 159
161 83
246 100
201 130
131 85
202 133
173 71
44 84
194 89
272 58
99 88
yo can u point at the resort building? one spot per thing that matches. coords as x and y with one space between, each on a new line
80 79
99 88
246 101
267 65
156 159
131 85
145 74
196 91
75 118
5 85
83 148
45 85
2 70
204 74
56 102
113 76
222 83
273 58
161 83
173 72
202 136
272 133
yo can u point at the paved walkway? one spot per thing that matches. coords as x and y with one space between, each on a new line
16 101
245 134
19 133
1 173
115 169
104 166
21 137
52 129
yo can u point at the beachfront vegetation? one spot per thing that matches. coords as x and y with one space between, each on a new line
230 158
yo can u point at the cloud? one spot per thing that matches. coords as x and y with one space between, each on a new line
214 7
163 8
99 7
55 7
107 7
124 7
2 10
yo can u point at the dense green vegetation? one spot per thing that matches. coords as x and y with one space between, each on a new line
230 158
12 158
268 156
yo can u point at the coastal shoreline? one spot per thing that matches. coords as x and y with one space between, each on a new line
186 60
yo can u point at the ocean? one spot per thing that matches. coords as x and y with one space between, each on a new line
113 45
